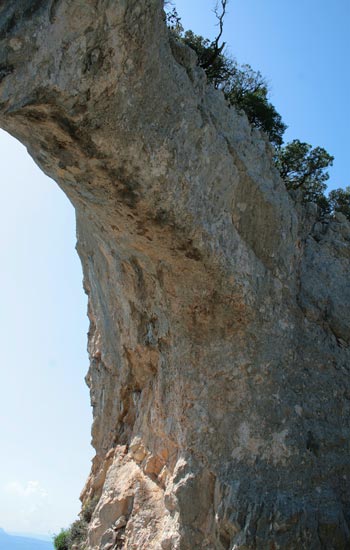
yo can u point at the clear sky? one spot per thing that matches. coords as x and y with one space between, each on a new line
44 407
302 47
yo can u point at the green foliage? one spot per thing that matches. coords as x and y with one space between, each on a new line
263 115
303 167
61 541
247 90
216 65
75 534
339 201
88 509
243 87
78 531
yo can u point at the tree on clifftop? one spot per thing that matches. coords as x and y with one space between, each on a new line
243 87
339 200
247 90
301 166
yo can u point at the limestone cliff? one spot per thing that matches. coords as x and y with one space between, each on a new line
220 315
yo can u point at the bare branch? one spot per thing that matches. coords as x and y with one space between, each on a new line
215 44
220 17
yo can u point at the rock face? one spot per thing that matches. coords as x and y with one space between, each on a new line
220 314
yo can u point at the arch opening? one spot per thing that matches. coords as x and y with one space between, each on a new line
45 414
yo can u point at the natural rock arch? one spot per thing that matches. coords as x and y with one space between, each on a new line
219 337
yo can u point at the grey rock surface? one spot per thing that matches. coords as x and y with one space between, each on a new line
219 312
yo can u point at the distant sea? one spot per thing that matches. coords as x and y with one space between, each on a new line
16 542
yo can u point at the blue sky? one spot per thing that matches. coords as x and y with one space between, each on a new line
302 48
44 407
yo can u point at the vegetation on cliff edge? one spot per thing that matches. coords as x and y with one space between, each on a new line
303 168
76 534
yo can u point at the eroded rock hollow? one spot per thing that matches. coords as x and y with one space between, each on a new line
220 312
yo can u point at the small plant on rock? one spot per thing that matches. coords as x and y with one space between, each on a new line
61 541
76 535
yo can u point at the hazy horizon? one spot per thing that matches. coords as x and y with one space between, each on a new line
11 541
40 536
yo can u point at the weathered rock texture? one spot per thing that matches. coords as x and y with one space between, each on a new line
220 315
